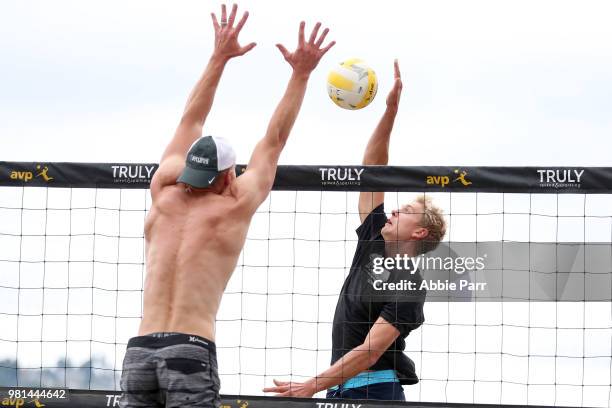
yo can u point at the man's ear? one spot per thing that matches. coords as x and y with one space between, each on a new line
420 233
230 176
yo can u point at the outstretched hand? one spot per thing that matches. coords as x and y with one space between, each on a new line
292 389
394 96
308 54
226 35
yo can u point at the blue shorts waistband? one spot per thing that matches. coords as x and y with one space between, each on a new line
368 378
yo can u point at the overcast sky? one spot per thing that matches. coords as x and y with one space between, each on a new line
485 83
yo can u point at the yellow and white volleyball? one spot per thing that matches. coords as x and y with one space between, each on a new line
352 84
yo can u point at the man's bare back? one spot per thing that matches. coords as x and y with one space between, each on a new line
193 241
197 227
194 237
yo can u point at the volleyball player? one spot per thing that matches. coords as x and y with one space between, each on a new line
197 227
368 333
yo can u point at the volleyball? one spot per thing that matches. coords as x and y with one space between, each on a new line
352 84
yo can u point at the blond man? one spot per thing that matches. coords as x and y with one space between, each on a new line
368 332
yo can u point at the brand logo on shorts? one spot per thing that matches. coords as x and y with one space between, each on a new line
560 178
133 173
340 176
460 176
337 405
194 339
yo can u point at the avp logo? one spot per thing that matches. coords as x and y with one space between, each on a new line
239 404
443 181
20 402
25 176
563 178
340 176
461 177
135 173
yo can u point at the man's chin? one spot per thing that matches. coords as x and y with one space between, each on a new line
385 234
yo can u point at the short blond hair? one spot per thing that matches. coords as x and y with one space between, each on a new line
433 220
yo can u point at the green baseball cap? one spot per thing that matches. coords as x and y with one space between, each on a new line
206 158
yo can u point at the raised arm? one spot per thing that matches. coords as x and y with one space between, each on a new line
201 98
257 180
377 150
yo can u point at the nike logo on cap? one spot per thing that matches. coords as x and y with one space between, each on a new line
211 180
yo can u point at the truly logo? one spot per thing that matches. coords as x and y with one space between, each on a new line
112 400
340 175
560 178
134 173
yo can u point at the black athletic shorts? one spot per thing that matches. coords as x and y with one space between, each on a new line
170 370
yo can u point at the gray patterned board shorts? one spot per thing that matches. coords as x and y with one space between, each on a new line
170 370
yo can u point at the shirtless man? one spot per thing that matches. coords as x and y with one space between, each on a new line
197 227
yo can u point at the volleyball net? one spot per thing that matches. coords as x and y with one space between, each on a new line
532 247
